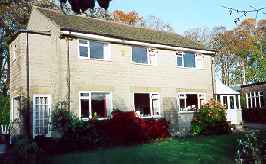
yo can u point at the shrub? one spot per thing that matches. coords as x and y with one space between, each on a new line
5 110
210 119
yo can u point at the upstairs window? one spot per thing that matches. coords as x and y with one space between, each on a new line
189 60
140 55
94 50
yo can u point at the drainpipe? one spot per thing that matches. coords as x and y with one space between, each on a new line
68 72
27 88
212 75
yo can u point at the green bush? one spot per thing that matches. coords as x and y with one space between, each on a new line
210 119
5 110
64 120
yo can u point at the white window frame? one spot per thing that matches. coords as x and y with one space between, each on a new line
196 61
89 98
106 50
148 54
49 114
200 96
150 96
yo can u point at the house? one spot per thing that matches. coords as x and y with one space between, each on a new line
231 100
101 66
254 98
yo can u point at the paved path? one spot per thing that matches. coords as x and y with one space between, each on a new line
254 126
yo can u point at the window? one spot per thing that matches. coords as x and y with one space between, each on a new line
190 101
179 59
187 59
41 115
147 104
253 99
232 102
261 99
95 104
94 50
139 55
225 103
237 101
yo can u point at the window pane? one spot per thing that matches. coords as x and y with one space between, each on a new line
179 61
182 103
85 94
237 102
142 103
218 98
189 60
99 104
84 105
96 50
83 51
192 101
262 101
139 55
155 104
232 105
225 101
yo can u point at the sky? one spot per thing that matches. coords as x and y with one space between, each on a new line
187 14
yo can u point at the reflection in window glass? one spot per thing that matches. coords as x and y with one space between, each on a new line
96 50
232 106
139 55
189 60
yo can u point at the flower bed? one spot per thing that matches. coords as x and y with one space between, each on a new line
123 129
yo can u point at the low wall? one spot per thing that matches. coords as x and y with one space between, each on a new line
179 121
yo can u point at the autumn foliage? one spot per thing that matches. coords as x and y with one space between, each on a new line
130 18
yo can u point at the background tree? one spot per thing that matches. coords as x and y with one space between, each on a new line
130 18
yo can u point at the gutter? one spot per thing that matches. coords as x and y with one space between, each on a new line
111 39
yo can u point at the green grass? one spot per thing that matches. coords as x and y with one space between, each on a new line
204 149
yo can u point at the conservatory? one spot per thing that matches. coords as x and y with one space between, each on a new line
231 99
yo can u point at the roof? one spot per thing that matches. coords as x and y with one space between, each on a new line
222 89
253 84
108 28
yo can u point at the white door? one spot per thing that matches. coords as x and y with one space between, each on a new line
41 115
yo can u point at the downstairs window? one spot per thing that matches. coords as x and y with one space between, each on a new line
95 104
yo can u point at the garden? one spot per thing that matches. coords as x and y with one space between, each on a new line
127 138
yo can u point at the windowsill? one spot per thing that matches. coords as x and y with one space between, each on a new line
88 119
191 68
144 64
154 116
86 59
187 111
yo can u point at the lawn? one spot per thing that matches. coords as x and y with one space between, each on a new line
204 149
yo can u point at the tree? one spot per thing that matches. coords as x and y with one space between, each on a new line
130 18
156 23
240 55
